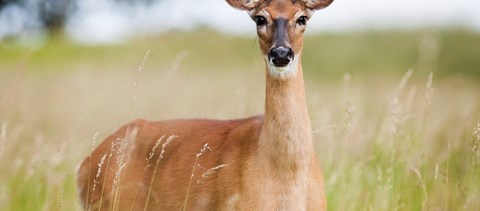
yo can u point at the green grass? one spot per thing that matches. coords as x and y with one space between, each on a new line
383 145
443 53
325 55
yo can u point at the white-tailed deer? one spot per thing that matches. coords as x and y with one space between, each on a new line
265 162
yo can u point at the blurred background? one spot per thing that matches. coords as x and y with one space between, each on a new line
107 21
393 36
393 91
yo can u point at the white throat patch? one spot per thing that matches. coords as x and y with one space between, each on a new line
282 72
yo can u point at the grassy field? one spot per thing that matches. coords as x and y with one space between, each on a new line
395 115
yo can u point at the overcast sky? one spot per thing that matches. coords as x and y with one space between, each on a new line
105 21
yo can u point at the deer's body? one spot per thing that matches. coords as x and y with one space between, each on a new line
260 163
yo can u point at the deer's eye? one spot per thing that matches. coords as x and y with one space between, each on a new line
302 20
260 20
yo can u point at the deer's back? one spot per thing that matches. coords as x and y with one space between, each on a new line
222 148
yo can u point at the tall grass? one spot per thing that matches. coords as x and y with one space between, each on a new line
384 142
410 150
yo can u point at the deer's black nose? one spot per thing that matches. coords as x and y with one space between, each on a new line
281 56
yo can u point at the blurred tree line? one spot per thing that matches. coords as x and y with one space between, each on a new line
53 14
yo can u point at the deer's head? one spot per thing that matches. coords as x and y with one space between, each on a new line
280 28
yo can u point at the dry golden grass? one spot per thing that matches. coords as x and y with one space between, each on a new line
384 142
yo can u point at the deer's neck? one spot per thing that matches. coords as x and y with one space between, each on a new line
286 139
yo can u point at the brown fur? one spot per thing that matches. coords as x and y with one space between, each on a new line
270 161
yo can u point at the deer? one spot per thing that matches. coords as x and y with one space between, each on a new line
264 162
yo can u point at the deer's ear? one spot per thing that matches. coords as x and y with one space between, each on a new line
243 4
317 4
